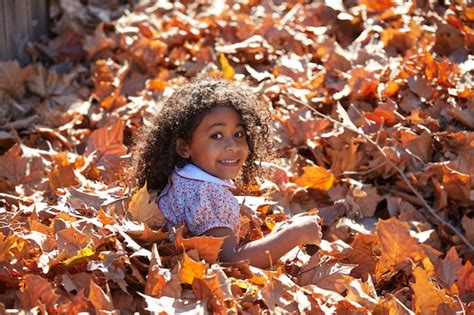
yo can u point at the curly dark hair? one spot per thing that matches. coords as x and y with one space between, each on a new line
154 156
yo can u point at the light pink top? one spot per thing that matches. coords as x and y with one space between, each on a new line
200 200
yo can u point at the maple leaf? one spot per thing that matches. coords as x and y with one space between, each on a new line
105 146
397 245
208 247
316 177
325 274
37 290
142 209
12 78
448 268
157 276
427 297
99 299
62 172
191 269
97 42
466 278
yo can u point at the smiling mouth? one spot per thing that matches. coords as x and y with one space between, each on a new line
230 162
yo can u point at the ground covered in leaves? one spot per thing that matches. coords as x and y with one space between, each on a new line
373 113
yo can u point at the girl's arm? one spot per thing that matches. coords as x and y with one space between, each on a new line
304 230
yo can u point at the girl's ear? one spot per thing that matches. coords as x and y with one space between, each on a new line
182 148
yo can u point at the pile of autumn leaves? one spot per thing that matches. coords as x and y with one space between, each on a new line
74 237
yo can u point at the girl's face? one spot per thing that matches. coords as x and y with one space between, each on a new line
218 145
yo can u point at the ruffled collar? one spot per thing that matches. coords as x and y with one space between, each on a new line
191 171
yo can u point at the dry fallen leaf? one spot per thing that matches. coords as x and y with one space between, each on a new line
142 209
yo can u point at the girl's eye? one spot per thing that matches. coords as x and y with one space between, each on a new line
239 134
217 136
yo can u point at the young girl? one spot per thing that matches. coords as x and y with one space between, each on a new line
209 133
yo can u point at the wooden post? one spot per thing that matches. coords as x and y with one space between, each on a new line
20 22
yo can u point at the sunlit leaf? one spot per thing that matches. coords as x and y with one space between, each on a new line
142 209
316 177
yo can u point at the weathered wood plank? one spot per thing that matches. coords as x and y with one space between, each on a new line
3 38
39 14
20 22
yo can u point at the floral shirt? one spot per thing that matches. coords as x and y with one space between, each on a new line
200 200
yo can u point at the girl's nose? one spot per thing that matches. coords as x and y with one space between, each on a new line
231 144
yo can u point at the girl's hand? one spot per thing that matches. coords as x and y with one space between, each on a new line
309 228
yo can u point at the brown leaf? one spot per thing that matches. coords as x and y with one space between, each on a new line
466 278
448 268
46 83
419 145
72 240
327 275
24 165
208 247
12 78
38 291
62 172
157 276
427 296
97 42
98 298
142 209
398 246
365 249
106 147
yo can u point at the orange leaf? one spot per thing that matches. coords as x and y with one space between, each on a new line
99 299
377 6
37 291
191 269
466 278
208 247
398 246
106 147
427 296
62 172
157 277
142 209
316 177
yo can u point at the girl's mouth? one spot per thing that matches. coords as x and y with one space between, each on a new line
230 162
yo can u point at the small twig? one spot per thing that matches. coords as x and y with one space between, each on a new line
323 260
365 172
399 171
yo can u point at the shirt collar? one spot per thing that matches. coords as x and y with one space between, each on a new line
191 171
